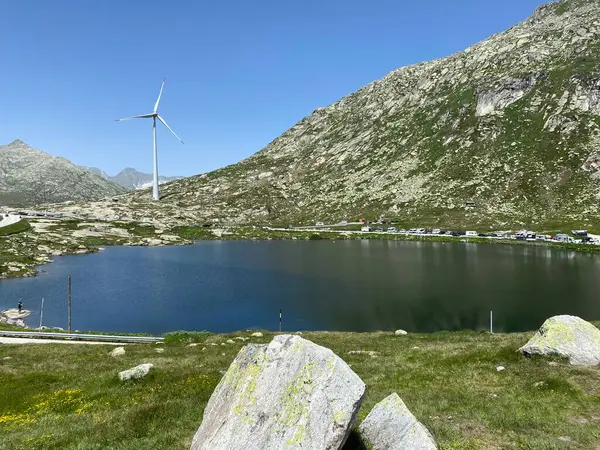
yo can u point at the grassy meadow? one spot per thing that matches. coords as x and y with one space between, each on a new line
59 396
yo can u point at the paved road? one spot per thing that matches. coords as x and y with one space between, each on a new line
10 340
10 220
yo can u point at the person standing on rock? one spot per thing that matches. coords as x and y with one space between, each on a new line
20 306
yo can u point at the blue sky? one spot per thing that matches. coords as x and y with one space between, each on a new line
239 73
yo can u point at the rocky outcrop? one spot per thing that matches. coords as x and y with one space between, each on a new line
568 337
391 426
289 394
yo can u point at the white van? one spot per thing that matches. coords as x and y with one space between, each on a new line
471 234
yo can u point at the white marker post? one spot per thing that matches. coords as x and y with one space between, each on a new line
492 322
280 320
41 313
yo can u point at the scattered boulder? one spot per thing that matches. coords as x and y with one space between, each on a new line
159 350
136 372
230 341
500 368
257 334
195 344
391 426
119 351
290 393
400 333
566 336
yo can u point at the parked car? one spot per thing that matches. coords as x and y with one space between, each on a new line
436 231
379 230
344 222
392 230
366 228
471 234
579 232
319 224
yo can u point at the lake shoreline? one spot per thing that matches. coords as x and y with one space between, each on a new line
190 236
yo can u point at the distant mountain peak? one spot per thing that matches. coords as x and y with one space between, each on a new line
30 176
17 143
131 178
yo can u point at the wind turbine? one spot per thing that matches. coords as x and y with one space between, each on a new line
154 115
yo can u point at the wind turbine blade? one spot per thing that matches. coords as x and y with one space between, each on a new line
165 124
159 95
142 116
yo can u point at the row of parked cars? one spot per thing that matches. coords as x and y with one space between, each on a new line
523 235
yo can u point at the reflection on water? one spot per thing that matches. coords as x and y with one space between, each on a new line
343 285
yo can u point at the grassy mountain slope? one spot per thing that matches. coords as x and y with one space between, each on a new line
503 133
30 176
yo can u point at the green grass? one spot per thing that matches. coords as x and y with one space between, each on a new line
69 397
19 227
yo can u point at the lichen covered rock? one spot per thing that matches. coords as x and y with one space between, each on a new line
391 426
136 372
289 394
569 337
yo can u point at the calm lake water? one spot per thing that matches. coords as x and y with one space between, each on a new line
319 285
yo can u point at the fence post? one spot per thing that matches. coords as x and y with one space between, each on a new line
280 320
492 322
69 312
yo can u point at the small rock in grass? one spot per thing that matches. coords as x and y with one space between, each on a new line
159 350
500 368
6 358
119 351
136 372
400 333
371 353
195 344
230 341
203 348
213 344
257 334
539 384
223 343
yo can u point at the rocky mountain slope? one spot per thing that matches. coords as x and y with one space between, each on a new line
131 179
506 132
30 176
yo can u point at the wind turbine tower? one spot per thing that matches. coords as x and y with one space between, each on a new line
154 116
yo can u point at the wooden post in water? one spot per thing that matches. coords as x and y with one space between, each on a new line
69 312
280 320
492 322
41 313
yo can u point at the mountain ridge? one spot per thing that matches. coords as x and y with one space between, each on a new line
31 176
131 178
505 132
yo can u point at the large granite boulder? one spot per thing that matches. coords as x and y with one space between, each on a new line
289 394
391 426
567 336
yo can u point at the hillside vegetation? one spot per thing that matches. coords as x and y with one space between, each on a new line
503 134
